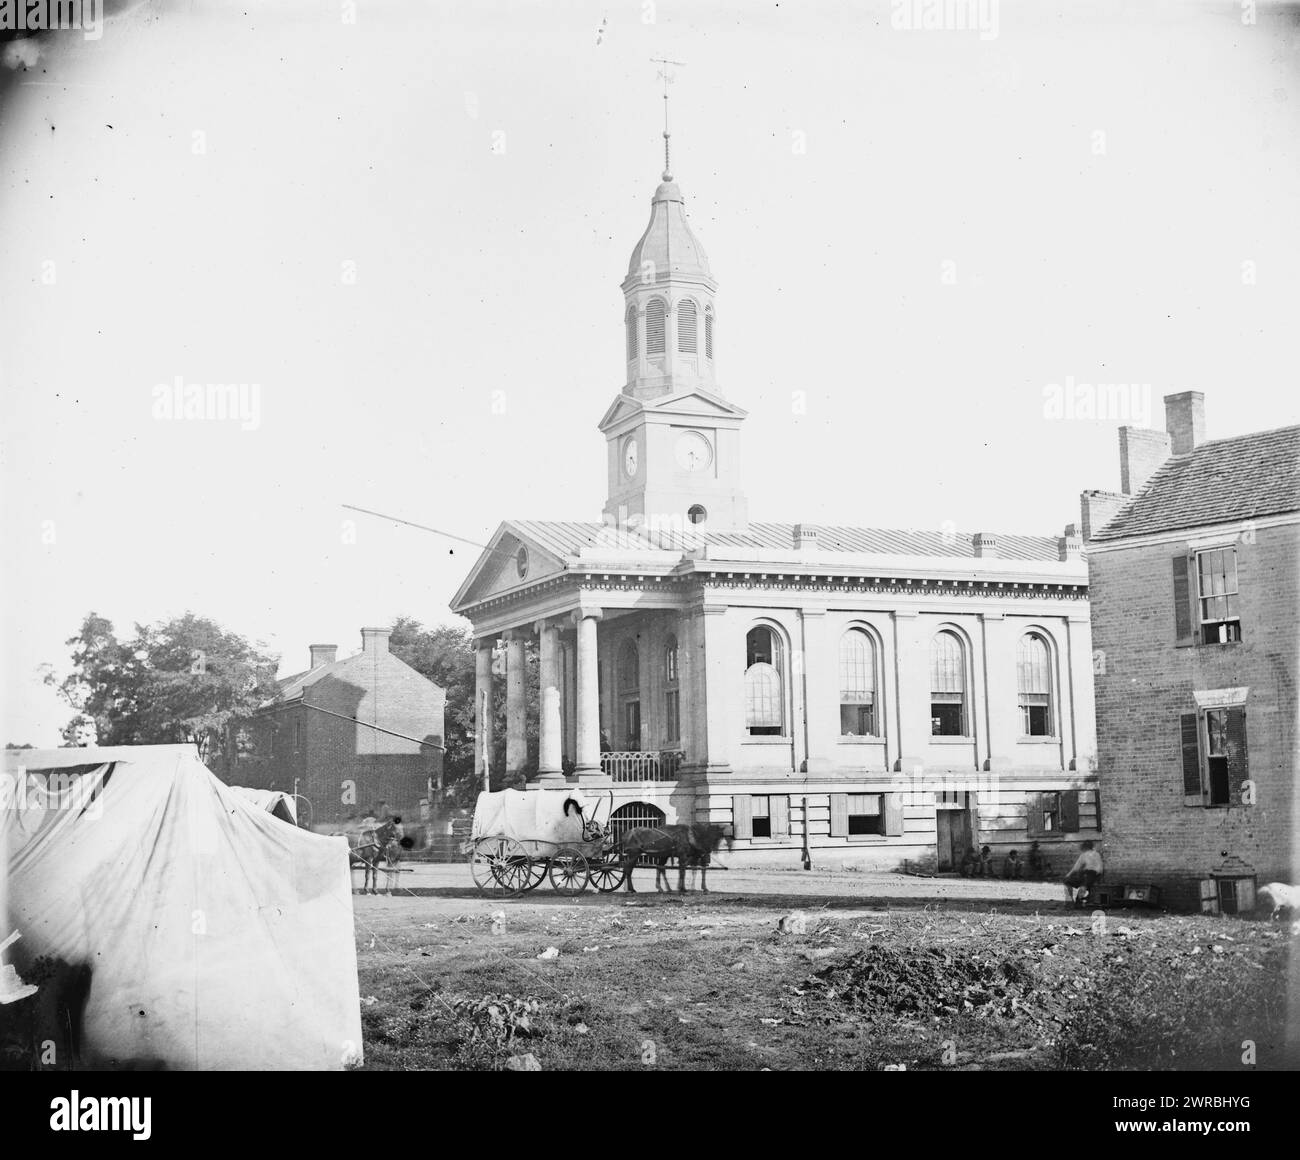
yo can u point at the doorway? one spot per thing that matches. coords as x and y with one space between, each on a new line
953 828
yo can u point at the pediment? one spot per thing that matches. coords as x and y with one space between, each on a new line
496 572
695 404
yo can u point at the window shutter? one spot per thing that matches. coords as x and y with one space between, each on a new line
1096 800
1070 811
1184 632
1191 739
893 813
1034 815
742 817
780 816
1238 766
839 815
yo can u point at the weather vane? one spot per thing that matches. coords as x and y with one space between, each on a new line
668 79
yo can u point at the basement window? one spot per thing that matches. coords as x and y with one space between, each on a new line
866 814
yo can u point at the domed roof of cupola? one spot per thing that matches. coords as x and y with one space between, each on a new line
668 241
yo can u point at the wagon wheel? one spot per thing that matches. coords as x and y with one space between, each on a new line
569 872
537 868
500 867
607 872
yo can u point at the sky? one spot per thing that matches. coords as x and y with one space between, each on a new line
402 227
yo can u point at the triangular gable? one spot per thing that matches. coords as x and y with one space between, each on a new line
496 570
695 403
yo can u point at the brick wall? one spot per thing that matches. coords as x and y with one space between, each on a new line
1147 683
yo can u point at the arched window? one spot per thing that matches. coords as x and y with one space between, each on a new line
672 694
708 333
947 686
654 326
857 684
1034 685
764 687
631 334
686 327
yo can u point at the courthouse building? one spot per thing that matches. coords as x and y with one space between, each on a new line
850 693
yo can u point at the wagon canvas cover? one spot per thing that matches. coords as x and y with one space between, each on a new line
217 936
531 815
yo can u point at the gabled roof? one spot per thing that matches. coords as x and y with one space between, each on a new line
569 538
1224 481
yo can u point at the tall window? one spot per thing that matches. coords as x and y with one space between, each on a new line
1216 589
857 684
947 686
654 326
1216 756
708 333
1034 685
631 334
761 817
629 689
672 695
686 327
764 694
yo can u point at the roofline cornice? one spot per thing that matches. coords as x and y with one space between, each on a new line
1192 531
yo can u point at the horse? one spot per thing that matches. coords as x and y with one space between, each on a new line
692 844
369 846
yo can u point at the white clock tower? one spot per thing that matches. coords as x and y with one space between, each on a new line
673 440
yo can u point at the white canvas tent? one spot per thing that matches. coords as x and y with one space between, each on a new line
217 936
276 802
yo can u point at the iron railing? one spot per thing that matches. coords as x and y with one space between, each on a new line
642 765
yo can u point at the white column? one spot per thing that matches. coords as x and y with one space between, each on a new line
588 750
1002 706
569 658
516 737
718 687
483 716
912 704
1080 707
819 690
548 699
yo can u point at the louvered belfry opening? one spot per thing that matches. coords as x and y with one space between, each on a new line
708 334
654 326
686 327
631 334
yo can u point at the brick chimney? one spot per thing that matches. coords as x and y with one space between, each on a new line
1185 421
1097 509
375 640
986 545
1141 452
1070 545
805 537
323 654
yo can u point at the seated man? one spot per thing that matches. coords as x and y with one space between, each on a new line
1083 875
986 862
1037 868
1013 867
970 864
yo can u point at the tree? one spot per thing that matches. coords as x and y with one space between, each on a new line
182 680
445 654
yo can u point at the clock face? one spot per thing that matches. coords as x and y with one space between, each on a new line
694 452
629 457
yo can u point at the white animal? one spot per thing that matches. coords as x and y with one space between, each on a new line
1278 896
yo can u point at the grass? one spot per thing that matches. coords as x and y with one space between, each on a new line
711 984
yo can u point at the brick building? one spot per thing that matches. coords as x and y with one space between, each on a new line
352 736
1194 568
865 695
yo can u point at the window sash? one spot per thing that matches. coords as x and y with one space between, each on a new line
947 664
763 697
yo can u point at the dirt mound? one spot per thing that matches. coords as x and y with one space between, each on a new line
925 981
